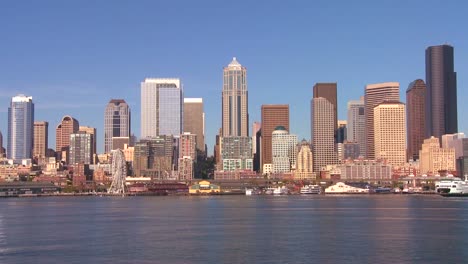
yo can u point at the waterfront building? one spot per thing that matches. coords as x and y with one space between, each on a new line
204 187
185 168
356 125
273 115
65 128
154 157
390 132
434 159
161 107
41 139
235 111
365 170
441 95
323 142
416 117
236 153
194 121
283 146
374 95
117 122
20 128
304 164
81 148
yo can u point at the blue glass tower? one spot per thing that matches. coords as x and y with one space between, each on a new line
20 128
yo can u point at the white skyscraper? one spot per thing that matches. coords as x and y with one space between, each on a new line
356 127
283 146
20 127
161 107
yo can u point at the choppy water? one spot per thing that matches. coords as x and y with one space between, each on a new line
234 229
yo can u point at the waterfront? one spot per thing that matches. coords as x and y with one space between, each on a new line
234 229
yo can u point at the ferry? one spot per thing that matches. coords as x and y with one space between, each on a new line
311 189
456 187
280 190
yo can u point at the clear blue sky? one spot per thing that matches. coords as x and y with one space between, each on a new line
74 56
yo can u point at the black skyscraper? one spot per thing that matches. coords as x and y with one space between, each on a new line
441 96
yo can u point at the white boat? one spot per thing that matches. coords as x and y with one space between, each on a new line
455 187
248 191
311 189
280 190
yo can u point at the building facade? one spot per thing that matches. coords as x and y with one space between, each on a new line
283 146
65 128
20 128
161 107
194 120
41 140
329 92
365 170
390 132
434 159
117 122
356 126
236 153
374 95
272 117
81 148
92 132
416 117
441 96
304 163
323 131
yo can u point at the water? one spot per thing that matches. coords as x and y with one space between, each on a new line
235 229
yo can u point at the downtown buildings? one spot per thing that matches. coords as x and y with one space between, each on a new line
20 128
117 123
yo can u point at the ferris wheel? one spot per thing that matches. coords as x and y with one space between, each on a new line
119 172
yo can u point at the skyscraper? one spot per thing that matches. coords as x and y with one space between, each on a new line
20 127
41 143
356 127
194 120
117 122
329 92
81 146
390 132
273 115
161 107
374 95
92 132
235 109
415 112
2 150
304 163
283 146
323 128
441 95
65 128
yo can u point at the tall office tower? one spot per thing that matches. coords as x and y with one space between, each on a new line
329 92
272 116
256 147
92 132
304 163
117 122
65 128
415 112
390 132
194 120
20 127
217 150
41 139
81 147
356 127
441 95
235 112
323 128
434 159
374 95
161 107
187 145
341 134
283 146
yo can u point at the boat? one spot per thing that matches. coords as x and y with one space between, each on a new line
311 189
280 190
382 190
455 187
250 191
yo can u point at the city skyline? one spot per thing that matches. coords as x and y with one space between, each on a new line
86 73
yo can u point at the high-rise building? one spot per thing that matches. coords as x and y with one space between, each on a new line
20 127
161 107
323 128
255 128
304 163
434 159
341 134
374 95
41 143
415 112
329 92
453 141
194 120
273 116
65 128
235 110
2 150
187 145
283 146
117 122
154 157
81 147
441 95
236 153
92 132
390 132
356 126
